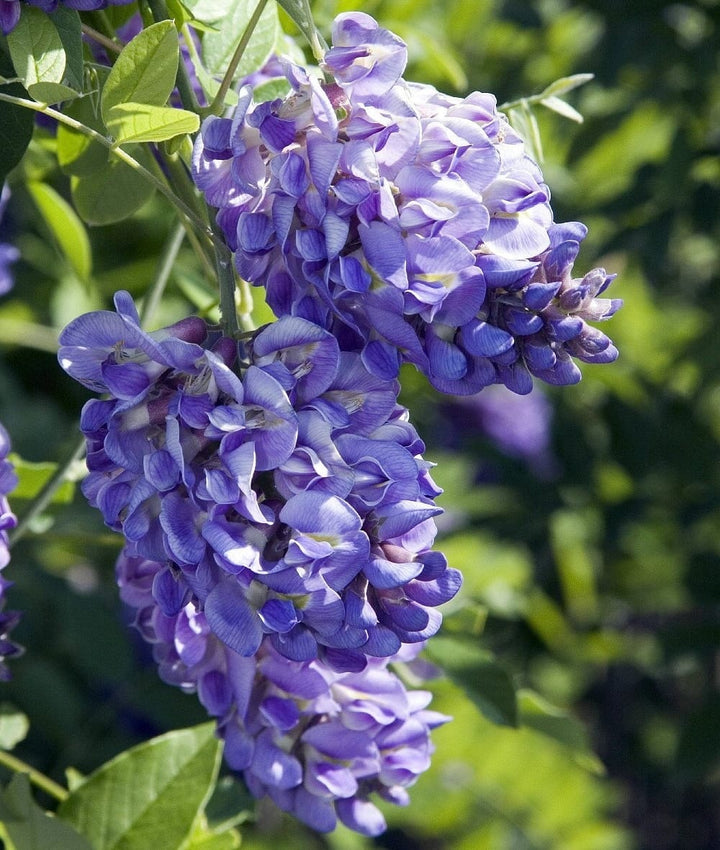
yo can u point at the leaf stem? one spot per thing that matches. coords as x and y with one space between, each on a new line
217 105
35 776
167 260
44 497
101 23
101 39
121 154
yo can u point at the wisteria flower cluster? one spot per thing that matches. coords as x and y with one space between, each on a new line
276 513
319 742
411 224
278 491
8 521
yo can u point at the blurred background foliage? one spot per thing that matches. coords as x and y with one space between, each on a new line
590 541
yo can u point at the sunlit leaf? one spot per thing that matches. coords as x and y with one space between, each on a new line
566 84
149 796
14 726
209 11
219 47
65 226
36 48
560 106
140 122
32 477
31 828
145 70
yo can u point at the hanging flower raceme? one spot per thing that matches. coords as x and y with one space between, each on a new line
8 619
281 485
319 742
410 223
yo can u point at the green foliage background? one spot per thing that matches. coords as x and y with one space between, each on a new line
595 586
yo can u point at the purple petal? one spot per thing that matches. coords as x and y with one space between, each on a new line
385 252
274 766
233 619
361 815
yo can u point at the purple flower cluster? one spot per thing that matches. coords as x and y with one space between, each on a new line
8 619
292 501
411 224
10 9
275 494
317 741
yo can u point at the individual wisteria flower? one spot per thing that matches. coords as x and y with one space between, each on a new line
411 224
10 9
279 482
8 619
9 254
321 743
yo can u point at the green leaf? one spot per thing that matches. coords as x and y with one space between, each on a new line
211 86
51 92
115 192
540 715
145 70
214 841
32 477
301 15
218 47
484 681
558 105
65 226
149 796
209 11
28 826
69 27
14 726
566 84
140 122
36 49
16 123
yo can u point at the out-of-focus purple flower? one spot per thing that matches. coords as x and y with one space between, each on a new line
519 425
321 743
8 253
8 619
411 224
10 9
281 484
